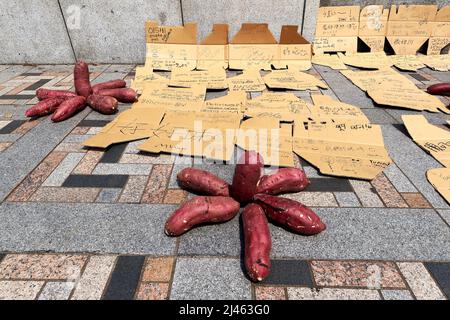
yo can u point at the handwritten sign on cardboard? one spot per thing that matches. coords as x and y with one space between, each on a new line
293 80
211 78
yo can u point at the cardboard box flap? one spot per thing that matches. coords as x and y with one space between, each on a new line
219 35
186 34
413 12
290 35
374 12
338 14
443 15
254 33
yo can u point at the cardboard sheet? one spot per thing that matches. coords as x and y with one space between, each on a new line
373 27
293 80
438 63
434 140
440 32
407 62
294 51
337 29
329 60
234 102
409 27
353 150
213 50
281 106
145 76
201 134
211 78
440 179
253 47
326 109
130 125
366 60
272 139
169 98
388 87
171 46
249 81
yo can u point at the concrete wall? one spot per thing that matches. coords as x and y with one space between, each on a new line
106 31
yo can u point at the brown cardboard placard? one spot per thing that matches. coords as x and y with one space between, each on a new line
212 78
250 81
213 50
281 106
202 134
294 51
253 47
329 60
354 150
409 26
327 109
171 46
234 102
293 80
269 137
440 32
130 125
440 179
407 62
145 75
432 139
437 62
169 98
337 29
373 26
366 60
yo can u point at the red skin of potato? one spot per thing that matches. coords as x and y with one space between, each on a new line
43 94
125 95
81 78
113 84
44 107
103 104
203 182
282 181
258 242
291 214
68 108
246 177
442 89
201 210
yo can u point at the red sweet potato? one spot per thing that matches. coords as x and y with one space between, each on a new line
68 108
103 104
291 214
442 89
113 84
282 181
247 174
43 94
81 78
258 242
203 182
44 107
125 95
201 210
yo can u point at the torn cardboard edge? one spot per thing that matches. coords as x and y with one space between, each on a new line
440 180
293 80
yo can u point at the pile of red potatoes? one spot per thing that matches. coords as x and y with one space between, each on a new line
258 194
103 97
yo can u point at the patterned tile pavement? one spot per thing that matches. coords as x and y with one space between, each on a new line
99 215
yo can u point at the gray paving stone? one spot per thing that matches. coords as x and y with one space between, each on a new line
441 76
378 116
13 112
126 169
396 295
56 291
224 171
366 194
210 279
435 118
312 172
31 149
10 137
90 228
445 214
369 234
12 72
107 76
398 179
347 199
344 88
108 195
63 170
213 240
414 163
76 138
